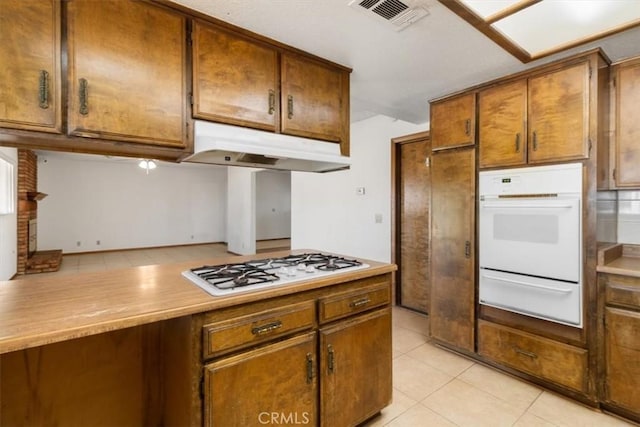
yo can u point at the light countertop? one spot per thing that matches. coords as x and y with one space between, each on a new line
35 312
620 259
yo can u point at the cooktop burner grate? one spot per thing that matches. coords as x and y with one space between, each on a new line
256 274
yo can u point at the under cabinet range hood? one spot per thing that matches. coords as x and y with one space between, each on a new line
221 144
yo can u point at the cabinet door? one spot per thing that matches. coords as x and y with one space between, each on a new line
30 72
314 100
622 358
559 115
355 369
502 116
234 79
452 240
126 72
453 122
276 384
627 173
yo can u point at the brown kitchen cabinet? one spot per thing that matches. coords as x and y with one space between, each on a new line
235 79
453 183
559 114
621 343
319 358
502 119
30 82
355 369
279 380
126 76
453 122
627 123
314 99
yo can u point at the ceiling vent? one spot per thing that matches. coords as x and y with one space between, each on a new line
400 14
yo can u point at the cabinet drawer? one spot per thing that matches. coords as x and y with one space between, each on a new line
622 290
550 360
226 336
347 303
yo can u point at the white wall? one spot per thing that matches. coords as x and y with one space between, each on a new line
326 212
92 198
273 205
241 210
9 224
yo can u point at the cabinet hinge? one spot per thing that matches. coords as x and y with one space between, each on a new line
427 161
191 99
590 71
614 174
614 82
590 146
201 387
190 38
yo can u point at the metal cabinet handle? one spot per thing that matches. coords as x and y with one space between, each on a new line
43 89
525 353
272 101
309 368
331 361
467 249
467 127
83 94
360 302
518 142
266 328
290 106
535 141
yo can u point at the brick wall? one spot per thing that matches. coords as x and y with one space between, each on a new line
27 210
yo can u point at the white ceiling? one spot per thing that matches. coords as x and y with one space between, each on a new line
394 73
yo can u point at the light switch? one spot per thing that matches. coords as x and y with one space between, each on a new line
378 218
360 191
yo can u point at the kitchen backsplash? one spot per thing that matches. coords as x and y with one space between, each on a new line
607 224
629 216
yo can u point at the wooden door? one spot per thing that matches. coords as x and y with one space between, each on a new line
30 71
126 72
453 243
314 100
502 131
355 369
279 380
622 358
627 173
413 211
235 80
559 115
453 122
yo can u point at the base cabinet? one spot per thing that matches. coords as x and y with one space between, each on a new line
276 384
355 369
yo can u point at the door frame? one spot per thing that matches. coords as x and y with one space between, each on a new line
396 169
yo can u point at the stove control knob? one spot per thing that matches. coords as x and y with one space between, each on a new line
283 271
310 269
302 266
291 271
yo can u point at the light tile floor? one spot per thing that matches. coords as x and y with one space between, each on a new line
434 387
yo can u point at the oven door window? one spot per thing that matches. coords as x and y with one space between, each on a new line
538 237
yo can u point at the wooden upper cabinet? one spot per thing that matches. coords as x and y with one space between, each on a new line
235 80
627 124
453 122
30 82
126 72
315 99
559 115
502 132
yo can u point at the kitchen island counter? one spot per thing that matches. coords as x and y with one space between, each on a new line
43 311
622 259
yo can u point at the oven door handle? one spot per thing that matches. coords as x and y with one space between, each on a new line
523 206
530 285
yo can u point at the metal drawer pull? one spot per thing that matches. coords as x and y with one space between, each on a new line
535 141
331 358
83 94
43 89
525 353
530 285
521 206
518 142
467 249
467 127
309 368
266 328
272 101
290 106
359 302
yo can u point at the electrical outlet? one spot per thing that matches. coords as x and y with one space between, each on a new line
78 243
98 242
378 218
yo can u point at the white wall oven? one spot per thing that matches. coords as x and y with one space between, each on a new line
530 241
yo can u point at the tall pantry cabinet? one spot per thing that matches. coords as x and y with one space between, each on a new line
453 193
